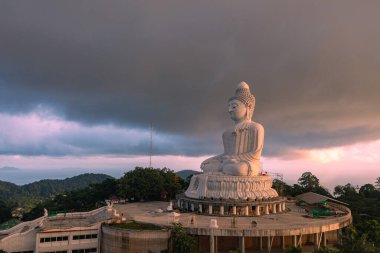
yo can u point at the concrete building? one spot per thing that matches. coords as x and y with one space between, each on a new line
63 233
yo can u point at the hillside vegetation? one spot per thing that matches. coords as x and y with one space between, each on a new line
29 194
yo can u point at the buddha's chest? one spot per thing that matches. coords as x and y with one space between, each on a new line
237 141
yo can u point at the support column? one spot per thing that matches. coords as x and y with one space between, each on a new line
294 240
257 210
221 210
283 246
280 208
260 243
179 203
283 206
316 241
246 211
209 209
324 241
339 236
274 208
216 243
266 209
200 208
234 210
242 244
269 244
212 242
192 207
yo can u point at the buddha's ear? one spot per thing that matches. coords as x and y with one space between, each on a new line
249 113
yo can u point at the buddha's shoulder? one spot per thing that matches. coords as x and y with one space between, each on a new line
252 126
255 125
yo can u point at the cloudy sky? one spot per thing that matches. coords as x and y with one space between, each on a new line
81 81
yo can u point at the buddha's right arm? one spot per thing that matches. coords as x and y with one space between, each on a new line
217 158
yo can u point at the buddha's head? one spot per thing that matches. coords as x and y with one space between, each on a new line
242 105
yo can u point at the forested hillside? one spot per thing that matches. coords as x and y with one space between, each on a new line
27 194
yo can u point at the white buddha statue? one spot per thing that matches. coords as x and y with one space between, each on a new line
243 142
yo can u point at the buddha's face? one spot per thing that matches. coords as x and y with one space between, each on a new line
237 110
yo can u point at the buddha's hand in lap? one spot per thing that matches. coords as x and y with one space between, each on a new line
234 167
211 165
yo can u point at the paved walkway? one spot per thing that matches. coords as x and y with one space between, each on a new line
293 219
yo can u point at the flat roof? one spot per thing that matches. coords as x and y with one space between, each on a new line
313 198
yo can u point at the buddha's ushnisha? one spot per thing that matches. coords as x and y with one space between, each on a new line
243 142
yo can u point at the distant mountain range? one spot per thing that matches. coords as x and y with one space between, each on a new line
7 168
185 173
29 193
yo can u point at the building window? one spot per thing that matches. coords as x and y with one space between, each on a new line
54 239
82 237
89 250
61 251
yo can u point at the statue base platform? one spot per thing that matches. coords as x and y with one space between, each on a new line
218 186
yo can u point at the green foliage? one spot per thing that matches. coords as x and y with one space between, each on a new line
368 191
141 184
48 187
5 212
133 225
377 183
293 250
150 184
371 228
364 205
307 182
30 194
89 198
347 192
182 241
310 182
9 223
325 250
354 242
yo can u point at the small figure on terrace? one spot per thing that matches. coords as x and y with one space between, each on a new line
243 142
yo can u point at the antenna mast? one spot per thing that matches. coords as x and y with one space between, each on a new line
151 145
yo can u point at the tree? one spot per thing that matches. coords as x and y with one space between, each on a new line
377 183
150 183
372 228
5 212
308 181
172 182
279 186
368 190
347 191
142 184
354 242
182 242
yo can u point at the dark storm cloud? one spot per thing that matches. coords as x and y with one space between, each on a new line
315 67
